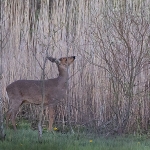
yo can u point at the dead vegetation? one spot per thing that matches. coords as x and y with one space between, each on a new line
109 83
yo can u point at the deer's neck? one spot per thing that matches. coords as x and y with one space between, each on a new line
63 76
63 73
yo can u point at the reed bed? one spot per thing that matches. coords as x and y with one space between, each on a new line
32 29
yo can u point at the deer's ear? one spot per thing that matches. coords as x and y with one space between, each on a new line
51 59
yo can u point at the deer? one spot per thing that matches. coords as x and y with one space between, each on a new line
29 91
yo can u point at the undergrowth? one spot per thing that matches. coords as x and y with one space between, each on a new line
25 138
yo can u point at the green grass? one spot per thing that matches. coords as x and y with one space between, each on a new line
25 139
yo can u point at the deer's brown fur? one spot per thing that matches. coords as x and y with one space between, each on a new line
30 91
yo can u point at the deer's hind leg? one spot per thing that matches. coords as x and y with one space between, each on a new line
11 114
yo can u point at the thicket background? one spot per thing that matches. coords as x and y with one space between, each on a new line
109 87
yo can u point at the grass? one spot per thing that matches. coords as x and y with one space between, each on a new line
25 138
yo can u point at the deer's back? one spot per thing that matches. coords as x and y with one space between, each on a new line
31 91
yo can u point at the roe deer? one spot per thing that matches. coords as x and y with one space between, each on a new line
30 91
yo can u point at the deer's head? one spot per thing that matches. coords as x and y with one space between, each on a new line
63 62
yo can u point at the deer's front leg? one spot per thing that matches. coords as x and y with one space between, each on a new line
51 118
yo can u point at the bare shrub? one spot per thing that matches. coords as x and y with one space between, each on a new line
120 39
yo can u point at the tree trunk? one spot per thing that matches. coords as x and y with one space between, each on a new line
42 104
2 134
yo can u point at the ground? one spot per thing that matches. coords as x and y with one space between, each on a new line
25 138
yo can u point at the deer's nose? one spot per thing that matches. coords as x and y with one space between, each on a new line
74 57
